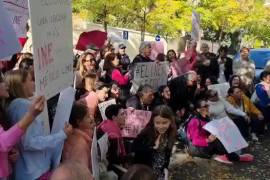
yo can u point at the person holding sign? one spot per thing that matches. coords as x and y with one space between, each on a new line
9 136
36 147
153 146
203 144
116 121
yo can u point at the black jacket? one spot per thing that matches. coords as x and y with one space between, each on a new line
143 149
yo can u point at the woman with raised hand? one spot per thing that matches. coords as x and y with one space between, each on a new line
37 146
9 136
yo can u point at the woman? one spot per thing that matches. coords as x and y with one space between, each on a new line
210 81
78 145
175 66
225 64
93 98
235 80
113 73
240 101
153 146
218 108
9 136
163 96
203 144
86 64
263 95
88 85
37 146
112 127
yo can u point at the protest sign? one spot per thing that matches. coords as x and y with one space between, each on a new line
103 143
94 156
102 107
18 12
9 43
154 74
222 89
136 120
195 33
156 48
63 109
228 134
52 45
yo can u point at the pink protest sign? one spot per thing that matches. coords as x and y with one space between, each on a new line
135 122
157 48
228 134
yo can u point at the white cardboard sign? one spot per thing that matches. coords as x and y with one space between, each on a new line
228 134
18 11
152 73
51 23
9 43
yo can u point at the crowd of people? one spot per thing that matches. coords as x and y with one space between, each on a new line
27 149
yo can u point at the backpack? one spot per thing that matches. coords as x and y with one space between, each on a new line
182 131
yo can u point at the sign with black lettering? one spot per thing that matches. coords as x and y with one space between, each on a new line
152 73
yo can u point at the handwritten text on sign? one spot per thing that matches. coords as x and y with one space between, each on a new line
135 122
154 74
228 134
18 11
52 43
9 43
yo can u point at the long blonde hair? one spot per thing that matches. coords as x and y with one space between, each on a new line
80 66
15 80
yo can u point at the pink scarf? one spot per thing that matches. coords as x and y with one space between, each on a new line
114 132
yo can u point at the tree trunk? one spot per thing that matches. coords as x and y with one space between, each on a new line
105 23
143 27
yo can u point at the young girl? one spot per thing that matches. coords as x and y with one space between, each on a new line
153 146
36 147
9 136
78 145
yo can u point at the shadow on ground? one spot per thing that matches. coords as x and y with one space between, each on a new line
184 167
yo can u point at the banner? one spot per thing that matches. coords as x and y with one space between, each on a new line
52 45
195 33
102 107
18 11
135 122
157 48
9 43
228 134
222 89
154 74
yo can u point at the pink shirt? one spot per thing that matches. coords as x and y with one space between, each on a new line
91 101
7 140
119 78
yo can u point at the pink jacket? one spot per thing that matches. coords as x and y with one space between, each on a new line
78 147
196 135
119 78
7 140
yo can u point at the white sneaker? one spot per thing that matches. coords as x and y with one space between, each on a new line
254 137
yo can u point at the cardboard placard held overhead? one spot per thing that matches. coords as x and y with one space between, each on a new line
18 11
9 43
51 24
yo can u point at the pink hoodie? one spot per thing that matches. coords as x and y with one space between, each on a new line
7 140
195 135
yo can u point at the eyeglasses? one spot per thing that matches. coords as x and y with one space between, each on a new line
90 60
